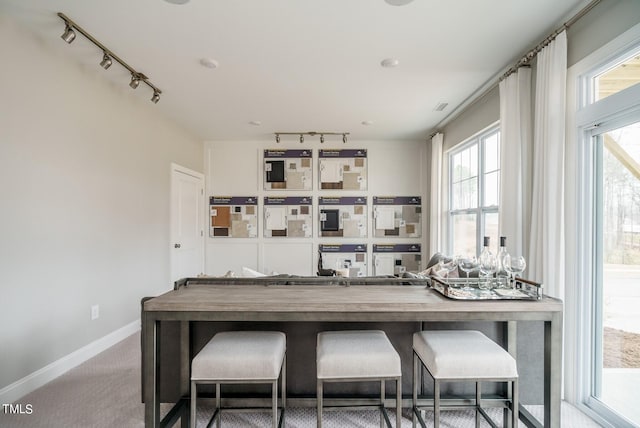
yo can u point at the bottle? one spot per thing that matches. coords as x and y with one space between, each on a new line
485 250
487 266
502 275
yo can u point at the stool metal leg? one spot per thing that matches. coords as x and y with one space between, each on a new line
382 397
478 403
398 402
436 403
283 391
319 401
415 390
218 406
506 413
514 403
284 382
193 404
274 403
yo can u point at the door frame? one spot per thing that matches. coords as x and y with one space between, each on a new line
176 168
584 120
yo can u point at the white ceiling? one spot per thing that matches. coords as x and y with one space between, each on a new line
301 65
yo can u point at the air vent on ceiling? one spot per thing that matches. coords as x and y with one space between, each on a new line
441 106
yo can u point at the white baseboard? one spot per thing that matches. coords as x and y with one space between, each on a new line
33 381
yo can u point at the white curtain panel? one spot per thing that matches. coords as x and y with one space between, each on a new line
546 251
435 219
515 143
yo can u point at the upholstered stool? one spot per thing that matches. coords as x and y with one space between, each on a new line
462 355
241 357
355 356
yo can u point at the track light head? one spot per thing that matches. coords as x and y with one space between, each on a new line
156 97
106 61
69 35
135 81
299 133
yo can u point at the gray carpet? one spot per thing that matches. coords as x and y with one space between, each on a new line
105 392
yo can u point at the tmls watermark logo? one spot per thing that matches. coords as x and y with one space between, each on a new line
17 409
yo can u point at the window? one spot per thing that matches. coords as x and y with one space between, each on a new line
474 169
614 77
609 128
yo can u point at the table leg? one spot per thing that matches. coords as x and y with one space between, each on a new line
185 359
552 370
512 348
151 370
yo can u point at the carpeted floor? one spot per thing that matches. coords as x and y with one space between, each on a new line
105 392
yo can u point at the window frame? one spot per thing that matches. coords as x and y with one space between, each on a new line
588 85
480 210
588 121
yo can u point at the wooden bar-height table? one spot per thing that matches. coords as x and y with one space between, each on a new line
319 303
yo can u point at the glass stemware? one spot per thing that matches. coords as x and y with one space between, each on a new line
468 264
488 264
447 266
514 265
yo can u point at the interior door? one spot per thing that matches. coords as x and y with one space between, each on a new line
187 223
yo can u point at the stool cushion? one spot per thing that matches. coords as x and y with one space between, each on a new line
461 354
356 354
240 355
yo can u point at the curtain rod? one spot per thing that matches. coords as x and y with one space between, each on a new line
491 83
526 60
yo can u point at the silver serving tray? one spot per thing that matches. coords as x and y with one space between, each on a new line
486 289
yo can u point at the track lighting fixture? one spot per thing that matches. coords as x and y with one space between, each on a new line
135 81
69 35
311 133
106 61
107 56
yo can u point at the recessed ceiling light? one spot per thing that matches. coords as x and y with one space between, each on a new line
367 122
398 2
177 1
389 62
255 123
209 63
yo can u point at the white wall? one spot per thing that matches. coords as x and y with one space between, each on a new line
235 169
84 197
604 23
479 115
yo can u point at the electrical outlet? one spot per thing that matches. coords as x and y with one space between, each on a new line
95 312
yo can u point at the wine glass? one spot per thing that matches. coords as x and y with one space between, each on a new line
468 264
514 265
488 265
448 265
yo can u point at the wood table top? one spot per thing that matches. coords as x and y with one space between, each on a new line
301 299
